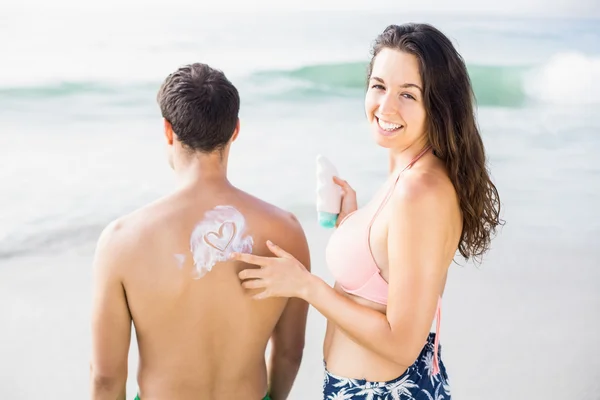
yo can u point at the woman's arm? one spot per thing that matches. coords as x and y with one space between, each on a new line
417 243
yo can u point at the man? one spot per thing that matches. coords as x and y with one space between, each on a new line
166 268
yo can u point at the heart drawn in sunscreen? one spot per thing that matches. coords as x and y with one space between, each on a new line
222 239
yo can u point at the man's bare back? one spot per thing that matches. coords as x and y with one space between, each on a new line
164 268
203 335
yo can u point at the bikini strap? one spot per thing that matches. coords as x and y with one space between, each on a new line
391 189
415 159
436 342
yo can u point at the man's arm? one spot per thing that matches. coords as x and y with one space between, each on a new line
111 320
287 341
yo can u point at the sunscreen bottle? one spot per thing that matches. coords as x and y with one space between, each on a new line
329 194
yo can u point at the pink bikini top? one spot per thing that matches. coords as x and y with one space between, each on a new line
351 261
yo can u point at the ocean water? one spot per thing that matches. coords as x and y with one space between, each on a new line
81 140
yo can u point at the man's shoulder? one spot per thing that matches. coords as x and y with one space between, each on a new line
271 217
118 236
122 237
280 226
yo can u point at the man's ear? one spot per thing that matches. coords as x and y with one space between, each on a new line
168 131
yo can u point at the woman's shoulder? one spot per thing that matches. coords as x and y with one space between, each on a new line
425 194
424 184
425 210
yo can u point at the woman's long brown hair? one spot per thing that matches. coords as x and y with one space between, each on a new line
451 127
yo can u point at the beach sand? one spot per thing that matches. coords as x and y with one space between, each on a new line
508 331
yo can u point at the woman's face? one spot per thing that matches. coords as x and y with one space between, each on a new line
394 100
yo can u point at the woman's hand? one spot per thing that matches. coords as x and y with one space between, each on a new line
281 276
349 204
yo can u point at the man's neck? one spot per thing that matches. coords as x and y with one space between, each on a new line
202 169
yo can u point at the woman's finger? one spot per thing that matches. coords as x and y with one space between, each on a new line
262 295
278 251
253 284
251 259
251 273
344 184
340 181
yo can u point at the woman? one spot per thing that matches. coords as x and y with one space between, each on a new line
390 258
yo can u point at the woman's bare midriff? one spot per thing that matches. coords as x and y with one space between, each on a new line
346 358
